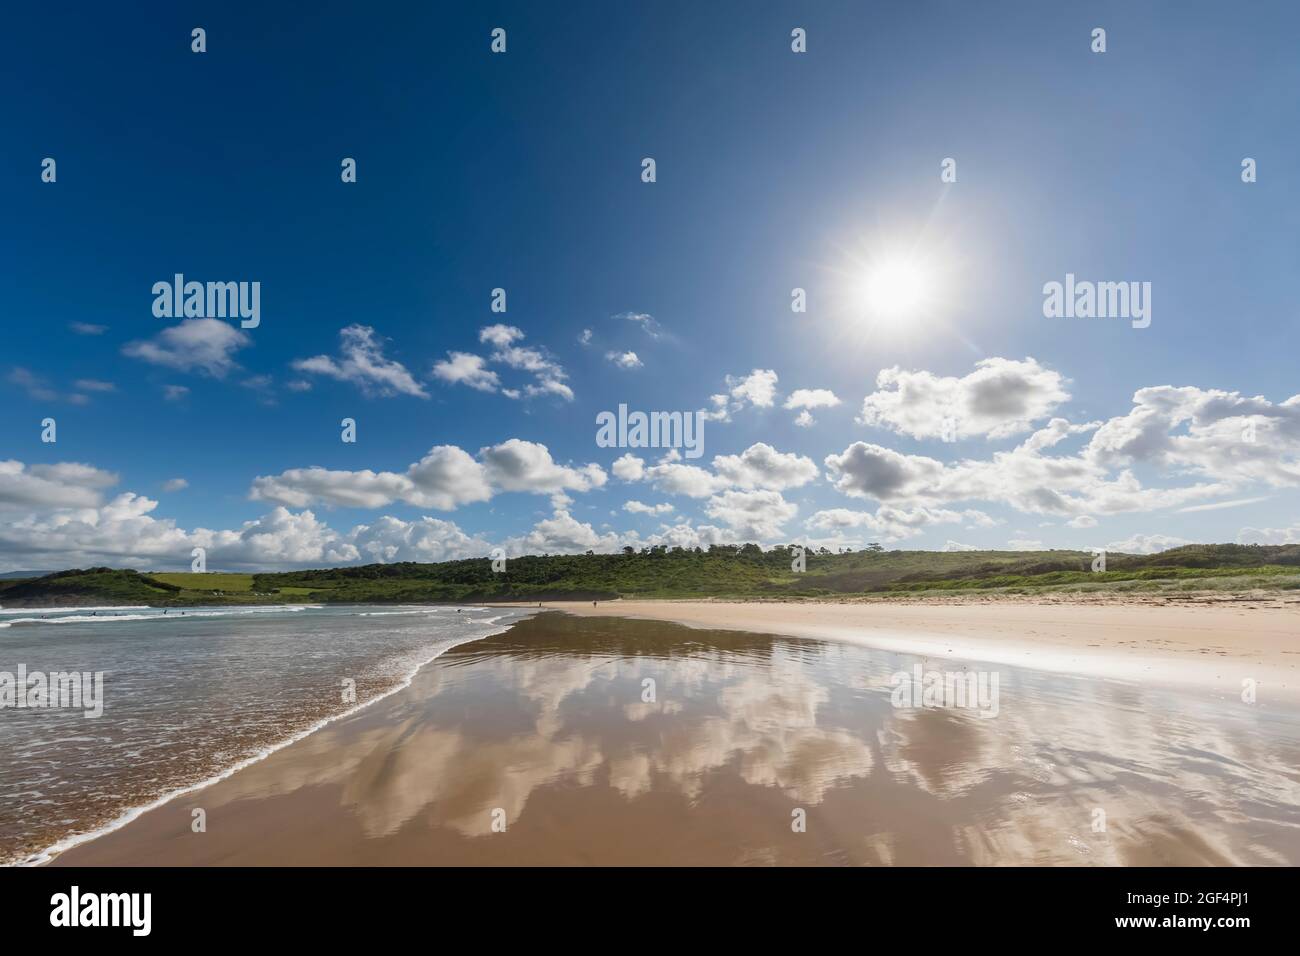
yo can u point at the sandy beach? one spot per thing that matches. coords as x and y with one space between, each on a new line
575 740
1209 643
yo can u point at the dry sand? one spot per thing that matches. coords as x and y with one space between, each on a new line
1210 642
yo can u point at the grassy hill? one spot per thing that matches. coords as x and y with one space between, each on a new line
722 571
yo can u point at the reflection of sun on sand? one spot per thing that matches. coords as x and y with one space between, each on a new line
549 727
1216 646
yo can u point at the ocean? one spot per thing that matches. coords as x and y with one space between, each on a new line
187 698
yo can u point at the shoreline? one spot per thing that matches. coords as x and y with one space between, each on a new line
1209 649
49 854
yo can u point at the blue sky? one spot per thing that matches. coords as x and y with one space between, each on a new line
522 170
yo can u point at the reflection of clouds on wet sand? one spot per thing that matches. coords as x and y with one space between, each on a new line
741 728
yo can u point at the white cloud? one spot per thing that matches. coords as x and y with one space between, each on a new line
647 322
175 484
563 534
1289 535
1146 544
1000 398
194 345
1025 544
894 524
637 507
758 388
1082 521
762 466
362 363
811 398
62 485
518 465
628 467
752 515
446 478
465 368
624 359
808 398
87 328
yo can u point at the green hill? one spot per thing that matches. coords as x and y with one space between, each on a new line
721 571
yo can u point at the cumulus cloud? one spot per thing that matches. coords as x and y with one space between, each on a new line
624 359
361 362
206 346
62 485
548 375
1002 397
1146 544
672 477
446 478
637 507
757 388
762 466
809 398
1026 478
1290 535
563 534
752 515
517 465
628 467
895 524
54 515
465 368
175 484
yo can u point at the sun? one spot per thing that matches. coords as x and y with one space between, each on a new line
894 289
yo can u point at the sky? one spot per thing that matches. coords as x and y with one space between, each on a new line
921 399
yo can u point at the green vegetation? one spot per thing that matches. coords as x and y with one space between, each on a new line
721 571
189 581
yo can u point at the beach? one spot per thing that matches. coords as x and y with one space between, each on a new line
585 738
1204 643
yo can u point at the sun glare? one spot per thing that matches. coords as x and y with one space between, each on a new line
893 290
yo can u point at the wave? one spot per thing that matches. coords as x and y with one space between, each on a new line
74 610
61 615
67 843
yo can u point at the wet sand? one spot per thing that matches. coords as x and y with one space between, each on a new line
598 740
1205 643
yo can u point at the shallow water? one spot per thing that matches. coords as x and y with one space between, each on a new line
188 697
544 745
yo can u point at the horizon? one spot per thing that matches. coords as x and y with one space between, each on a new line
868 275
